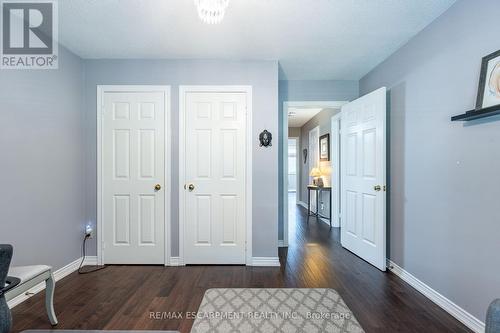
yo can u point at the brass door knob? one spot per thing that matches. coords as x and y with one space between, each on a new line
157 187
377 188
191 187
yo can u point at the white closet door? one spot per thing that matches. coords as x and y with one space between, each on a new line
215 126
133 148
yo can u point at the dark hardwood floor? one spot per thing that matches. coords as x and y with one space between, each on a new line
123 297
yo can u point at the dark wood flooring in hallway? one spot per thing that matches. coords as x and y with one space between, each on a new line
122 297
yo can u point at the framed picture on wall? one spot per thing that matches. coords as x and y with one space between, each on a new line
488 93
324 147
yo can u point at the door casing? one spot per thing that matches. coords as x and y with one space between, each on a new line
297 166
183 90
101 90
335 162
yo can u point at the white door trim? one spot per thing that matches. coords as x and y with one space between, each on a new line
297 164
101 90
248 166
284 211
297 176
286 106
312 104
297 182
335 162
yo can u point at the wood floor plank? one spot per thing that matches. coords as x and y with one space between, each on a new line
123 297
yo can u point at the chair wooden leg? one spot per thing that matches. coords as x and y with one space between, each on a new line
49 299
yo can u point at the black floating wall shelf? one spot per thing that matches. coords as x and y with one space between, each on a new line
477 114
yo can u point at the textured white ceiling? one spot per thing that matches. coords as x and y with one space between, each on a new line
312 39
300 116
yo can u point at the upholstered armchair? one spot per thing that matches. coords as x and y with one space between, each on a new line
5 285
493 317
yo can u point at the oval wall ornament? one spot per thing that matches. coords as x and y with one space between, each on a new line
265 138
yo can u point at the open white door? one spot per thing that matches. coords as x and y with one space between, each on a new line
363 172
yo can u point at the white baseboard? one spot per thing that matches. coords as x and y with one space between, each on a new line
90 261
322 219
176 261
256 261
453 309
265 261
58 275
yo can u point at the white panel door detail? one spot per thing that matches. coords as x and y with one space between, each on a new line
363 170
133 162
313 161
215 155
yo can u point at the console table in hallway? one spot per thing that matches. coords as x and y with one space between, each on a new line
318 190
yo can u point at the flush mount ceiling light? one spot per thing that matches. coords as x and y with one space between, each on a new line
211 11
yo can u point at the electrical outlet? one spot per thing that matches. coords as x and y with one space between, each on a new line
89 231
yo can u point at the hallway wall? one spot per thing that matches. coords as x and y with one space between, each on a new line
444 217
42 145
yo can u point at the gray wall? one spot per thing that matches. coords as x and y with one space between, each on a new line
298 90
293 132
444 216
324 121
42 197
262 75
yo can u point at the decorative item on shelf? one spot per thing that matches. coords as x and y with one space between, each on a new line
488 92
304 153
265 139
316 174
319 182
324 147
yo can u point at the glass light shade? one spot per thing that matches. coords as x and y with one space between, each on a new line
315 172
211 11
325 171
